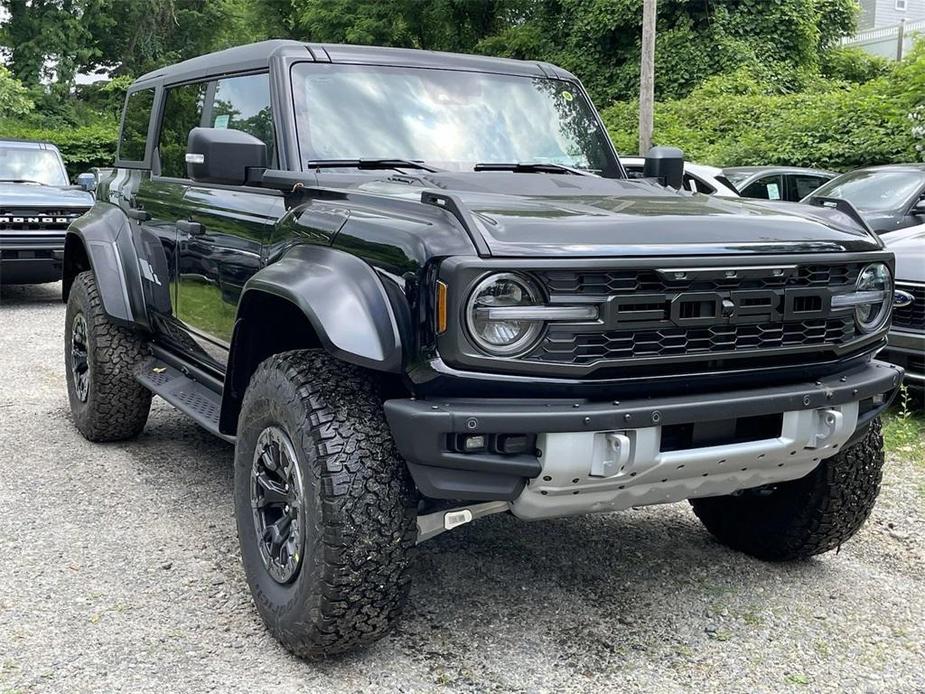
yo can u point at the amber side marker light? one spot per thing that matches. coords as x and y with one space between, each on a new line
441 307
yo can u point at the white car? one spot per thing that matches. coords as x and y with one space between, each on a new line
698 178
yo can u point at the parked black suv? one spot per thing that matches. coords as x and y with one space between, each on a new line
36 206
417 288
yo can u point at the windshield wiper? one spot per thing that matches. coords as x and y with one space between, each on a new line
20 180
369 164
531 167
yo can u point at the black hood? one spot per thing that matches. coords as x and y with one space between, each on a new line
542 215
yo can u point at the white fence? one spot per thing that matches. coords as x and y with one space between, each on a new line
889 42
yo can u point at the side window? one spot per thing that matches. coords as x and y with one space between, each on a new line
182 113
696 185
243 103
135 125
633 171
804 185
766 188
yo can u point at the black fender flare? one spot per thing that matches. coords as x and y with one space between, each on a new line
344 300
104 235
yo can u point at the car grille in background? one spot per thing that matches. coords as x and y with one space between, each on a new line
911 317
35 219
661 337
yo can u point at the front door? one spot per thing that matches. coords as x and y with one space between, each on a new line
222 236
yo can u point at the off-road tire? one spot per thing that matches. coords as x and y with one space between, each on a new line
804 517
359 502
116 406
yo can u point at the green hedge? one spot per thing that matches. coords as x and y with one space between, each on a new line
831 124
82 147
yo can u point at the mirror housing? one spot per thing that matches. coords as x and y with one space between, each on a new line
220 155
666 164
87 181
919 207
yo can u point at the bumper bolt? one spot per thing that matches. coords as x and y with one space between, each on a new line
627 417
806 400
472 423
656 417
587 421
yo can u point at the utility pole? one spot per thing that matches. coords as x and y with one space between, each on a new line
647 77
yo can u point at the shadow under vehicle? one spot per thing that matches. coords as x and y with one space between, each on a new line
418 288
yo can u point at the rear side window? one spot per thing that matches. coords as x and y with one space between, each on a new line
182 113
135 125
243 103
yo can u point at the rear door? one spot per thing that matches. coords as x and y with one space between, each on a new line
223 231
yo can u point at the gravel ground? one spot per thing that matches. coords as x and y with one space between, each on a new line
120 572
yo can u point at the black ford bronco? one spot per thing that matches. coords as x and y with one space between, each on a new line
414 289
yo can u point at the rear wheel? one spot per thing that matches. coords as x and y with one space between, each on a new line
804 517
107 403
325 508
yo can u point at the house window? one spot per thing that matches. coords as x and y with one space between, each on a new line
901 5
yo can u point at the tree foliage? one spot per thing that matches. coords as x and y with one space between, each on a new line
735 120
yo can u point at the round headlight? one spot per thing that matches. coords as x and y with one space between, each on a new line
502 337
876 279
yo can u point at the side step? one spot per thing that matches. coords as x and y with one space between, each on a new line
188 396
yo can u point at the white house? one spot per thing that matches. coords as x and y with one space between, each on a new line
887 13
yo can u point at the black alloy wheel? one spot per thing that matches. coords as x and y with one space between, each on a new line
80 362
276 500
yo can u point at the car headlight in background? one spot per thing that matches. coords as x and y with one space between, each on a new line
872 298
505 314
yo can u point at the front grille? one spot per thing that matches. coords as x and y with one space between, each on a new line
586 348
911 317
37 219
711 313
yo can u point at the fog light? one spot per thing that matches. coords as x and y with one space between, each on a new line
472 443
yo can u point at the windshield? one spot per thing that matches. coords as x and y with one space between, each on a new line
35 165
874 190
449 119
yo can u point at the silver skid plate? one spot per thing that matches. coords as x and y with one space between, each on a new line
586 472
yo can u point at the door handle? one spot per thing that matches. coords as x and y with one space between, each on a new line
190 227
138 214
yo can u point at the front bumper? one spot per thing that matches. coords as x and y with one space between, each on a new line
32 258
423 429
907 350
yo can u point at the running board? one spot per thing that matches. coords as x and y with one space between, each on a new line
190 397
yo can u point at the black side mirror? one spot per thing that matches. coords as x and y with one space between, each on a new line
919 207
666 164
220 155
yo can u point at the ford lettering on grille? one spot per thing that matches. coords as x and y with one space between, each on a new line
717 307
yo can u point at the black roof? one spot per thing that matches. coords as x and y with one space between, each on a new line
255 56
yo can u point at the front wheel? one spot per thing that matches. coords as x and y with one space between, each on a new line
325 507
107 403
804 517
